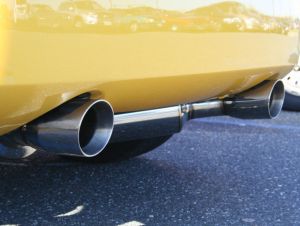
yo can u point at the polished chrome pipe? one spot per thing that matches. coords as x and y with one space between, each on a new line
161 122
78 127
145 124
205 109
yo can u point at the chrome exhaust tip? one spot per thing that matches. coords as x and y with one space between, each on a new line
276 99
78 128
95 128
264 101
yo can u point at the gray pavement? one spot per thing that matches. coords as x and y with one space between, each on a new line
218 171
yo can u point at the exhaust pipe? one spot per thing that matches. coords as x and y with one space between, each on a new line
145 124
84 127
261 102
78 128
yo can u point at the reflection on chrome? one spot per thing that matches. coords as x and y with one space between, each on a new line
110 16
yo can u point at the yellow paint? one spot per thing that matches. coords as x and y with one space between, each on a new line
138 58
3 42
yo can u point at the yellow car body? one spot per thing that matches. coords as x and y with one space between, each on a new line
139 54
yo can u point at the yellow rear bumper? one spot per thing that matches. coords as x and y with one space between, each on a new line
133 71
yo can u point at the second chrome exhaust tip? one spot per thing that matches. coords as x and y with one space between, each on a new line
79 128
276 99
264 101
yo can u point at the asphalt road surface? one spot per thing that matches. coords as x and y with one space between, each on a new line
218 171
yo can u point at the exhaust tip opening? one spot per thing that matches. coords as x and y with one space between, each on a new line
96 128
276 99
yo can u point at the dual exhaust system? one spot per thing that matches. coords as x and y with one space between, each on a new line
83 127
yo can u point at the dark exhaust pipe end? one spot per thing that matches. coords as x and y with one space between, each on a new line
264 101
79 128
